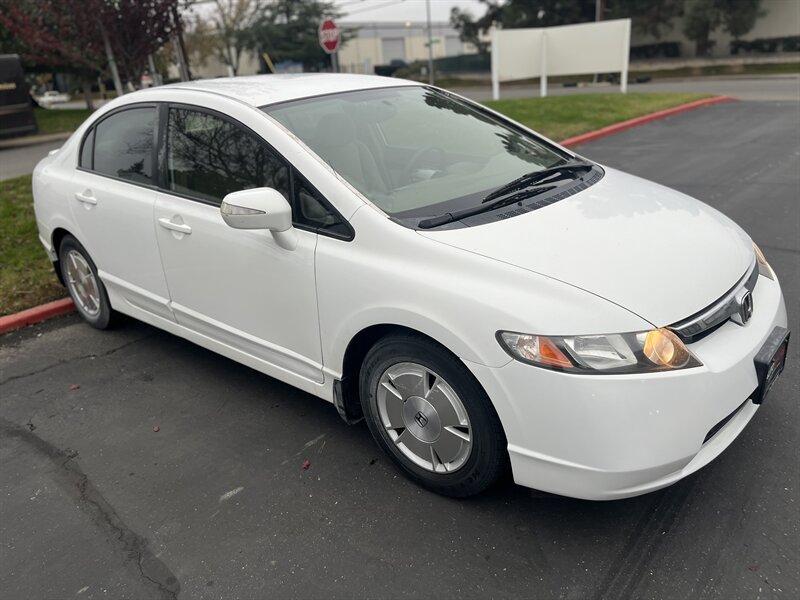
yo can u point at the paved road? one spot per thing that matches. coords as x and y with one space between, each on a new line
21 161
95 503
761 88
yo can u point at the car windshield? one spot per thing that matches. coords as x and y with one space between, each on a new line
415 151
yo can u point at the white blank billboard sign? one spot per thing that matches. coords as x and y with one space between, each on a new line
562 50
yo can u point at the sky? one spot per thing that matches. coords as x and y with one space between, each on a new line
403 10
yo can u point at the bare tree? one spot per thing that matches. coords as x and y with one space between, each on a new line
233 22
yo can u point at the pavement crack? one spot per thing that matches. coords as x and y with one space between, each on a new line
77 485
65 361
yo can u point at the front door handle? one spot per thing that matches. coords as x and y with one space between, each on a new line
85 197
179 227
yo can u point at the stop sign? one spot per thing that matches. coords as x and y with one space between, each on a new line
329 36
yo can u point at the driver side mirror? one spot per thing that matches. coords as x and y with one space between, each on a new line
257 208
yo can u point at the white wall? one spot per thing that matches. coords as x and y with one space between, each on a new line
361 53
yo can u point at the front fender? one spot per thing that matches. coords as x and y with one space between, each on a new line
391 275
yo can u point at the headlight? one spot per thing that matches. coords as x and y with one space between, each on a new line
640 352
763 266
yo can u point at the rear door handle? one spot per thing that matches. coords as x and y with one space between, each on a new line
85 197
180 227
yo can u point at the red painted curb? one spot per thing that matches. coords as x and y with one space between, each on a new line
65 305
36 314
661 114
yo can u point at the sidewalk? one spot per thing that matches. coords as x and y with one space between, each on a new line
784 88
33 140
20 160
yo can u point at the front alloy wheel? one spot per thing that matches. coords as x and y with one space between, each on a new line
424 417
431 416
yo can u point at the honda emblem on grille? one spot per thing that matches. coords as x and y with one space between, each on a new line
744 307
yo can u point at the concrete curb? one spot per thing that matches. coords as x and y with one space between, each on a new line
65 305
36 314
33 140
635 122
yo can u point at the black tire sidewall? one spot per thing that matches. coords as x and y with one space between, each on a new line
104 318
488 457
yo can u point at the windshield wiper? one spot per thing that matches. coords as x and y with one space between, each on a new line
550 174
484 207
531 184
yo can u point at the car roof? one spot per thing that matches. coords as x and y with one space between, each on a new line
260 90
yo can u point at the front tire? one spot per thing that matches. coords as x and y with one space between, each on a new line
430 415
83 284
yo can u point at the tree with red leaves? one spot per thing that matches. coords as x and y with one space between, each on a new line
69 35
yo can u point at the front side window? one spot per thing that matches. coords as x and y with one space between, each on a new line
414 151
209 157
123 145
312 211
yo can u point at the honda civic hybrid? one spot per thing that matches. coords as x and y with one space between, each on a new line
492 304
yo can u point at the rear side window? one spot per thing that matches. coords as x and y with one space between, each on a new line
123 145
86 150
209 157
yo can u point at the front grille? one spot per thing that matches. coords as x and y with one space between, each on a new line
702 323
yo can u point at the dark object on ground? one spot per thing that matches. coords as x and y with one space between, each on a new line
16 112
658 50
643 79
389 70
570 84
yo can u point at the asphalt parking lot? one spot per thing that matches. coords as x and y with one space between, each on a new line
134 464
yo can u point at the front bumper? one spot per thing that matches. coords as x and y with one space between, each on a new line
615 436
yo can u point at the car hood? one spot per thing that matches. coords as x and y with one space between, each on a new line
655 251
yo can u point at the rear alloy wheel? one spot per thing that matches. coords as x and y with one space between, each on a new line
430 415
83 284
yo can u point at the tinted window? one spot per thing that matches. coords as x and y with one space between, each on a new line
311 210
209 157
86 150
124 143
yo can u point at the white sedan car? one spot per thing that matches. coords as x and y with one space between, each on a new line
485 299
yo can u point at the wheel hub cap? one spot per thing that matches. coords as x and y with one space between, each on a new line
424 417
421 419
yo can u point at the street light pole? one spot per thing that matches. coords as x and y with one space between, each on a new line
430 43
598 16
180 48
112 64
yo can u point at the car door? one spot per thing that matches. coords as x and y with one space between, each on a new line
112 201
238 287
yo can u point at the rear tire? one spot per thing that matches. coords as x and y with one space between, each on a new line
430 415
79 274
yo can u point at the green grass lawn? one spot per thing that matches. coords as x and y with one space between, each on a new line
560 117
57 120
27 278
